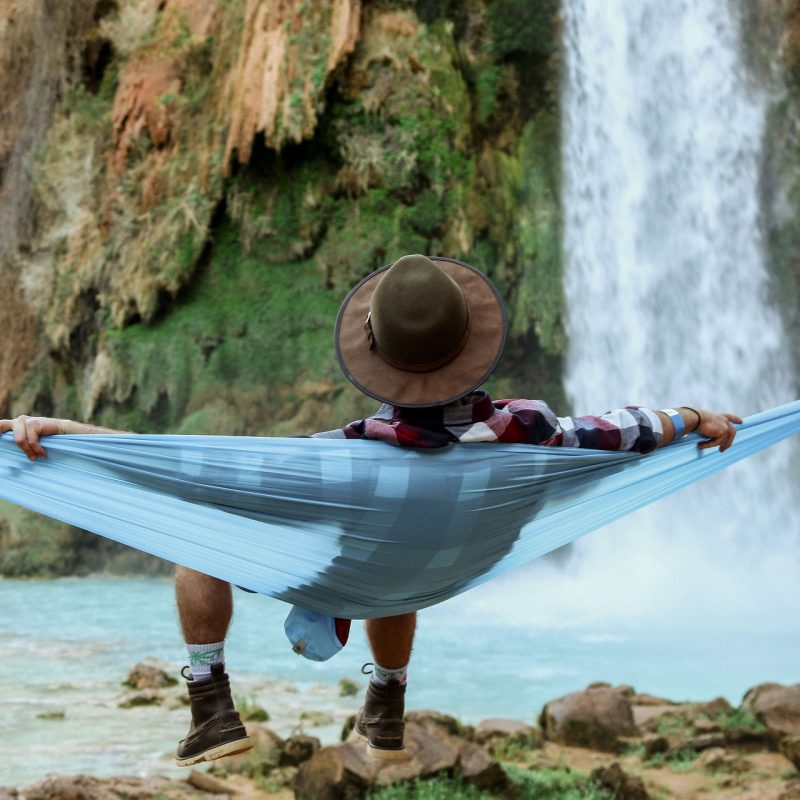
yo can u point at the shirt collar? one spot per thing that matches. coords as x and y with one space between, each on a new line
475 407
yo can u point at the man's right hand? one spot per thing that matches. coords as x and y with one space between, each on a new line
28 431
718 427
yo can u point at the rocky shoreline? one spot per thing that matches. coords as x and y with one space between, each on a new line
602 743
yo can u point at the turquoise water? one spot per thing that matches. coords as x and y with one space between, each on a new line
66 646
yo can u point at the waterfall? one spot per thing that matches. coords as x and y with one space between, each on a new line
667 302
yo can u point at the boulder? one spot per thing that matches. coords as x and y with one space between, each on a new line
777 707
148 675
594 718
649 700
297 749
719 706
704 726
478 767
748 739
619 784
8 793
790 747
696 744
493 731
717 759
654 744
86 787
206 782
436 720
266 753
345 771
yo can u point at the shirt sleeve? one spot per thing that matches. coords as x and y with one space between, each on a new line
631 428
534 422
355 430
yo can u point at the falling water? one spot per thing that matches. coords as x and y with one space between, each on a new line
666 291
666 284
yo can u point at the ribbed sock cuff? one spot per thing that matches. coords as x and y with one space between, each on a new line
382 676
202 656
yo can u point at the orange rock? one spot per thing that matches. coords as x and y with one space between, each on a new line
278 83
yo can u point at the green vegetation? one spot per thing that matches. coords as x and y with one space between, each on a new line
434 789
674 724
51 715
516 748
738 719
521 27
250 711
554 784
540 784
679 761
348 688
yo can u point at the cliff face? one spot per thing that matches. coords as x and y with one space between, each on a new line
190 187
774 47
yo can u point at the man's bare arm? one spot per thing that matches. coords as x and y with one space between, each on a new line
716 427
29 430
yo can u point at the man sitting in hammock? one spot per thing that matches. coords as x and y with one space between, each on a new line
421 336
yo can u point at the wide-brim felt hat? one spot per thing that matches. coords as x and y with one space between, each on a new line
421 331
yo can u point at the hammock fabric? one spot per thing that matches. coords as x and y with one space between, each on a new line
353 529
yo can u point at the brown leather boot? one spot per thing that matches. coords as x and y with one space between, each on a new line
380 721
216 728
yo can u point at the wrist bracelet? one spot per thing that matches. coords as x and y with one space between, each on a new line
699 418
677 422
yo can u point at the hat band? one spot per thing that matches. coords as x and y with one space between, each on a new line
425 366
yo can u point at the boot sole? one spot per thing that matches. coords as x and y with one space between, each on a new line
383 753
220 751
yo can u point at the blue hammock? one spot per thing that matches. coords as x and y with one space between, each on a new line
353 529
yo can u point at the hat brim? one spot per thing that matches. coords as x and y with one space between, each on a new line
488 327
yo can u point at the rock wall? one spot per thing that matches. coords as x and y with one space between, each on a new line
774 47
190 187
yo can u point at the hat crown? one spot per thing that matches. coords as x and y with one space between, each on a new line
418 314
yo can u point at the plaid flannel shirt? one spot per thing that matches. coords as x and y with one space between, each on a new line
476 418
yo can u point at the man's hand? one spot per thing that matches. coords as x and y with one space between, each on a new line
718 428
28 431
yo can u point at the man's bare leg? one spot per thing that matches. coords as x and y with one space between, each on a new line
380 721
205 608
391 639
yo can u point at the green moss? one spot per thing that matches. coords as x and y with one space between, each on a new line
540 296
487 83
245 325
519 26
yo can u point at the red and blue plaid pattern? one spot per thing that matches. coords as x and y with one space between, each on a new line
476 418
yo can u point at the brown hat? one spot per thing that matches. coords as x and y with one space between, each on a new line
421 332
